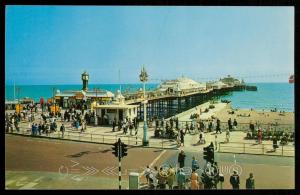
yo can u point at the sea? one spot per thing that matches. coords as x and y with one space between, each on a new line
268 95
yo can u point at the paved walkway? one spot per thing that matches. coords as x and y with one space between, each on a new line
101 134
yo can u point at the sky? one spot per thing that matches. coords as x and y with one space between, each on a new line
55 44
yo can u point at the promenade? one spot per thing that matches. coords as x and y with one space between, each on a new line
105 135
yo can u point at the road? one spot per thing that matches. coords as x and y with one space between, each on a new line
37 163
74 164
270 172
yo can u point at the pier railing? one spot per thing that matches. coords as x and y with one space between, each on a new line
255 148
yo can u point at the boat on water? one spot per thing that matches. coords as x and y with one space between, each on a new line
291 79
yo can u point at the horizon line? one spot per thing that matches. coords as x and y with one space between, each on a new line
126 83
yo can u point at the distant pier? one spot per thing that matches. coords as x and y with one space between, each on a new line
167 104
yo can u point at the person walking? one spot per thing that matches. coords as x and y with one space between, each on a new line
181 179
136 125
229 124
275 145
17 125
186 128
77 125
195 164
40 128
153 178
259 136
210 126
130 127
124 126
162 179
227 136
218 127
62 130
216 142
114 125
250 182
194 180
182 137
235 124
201 138
119 125
32 129
171 177
181 159
235 181
147 173
251 127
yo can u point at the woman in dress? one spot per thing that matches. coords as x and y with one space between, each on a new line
194 180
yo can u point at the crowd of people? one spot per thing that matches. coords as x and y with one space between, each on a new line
269 133
125 125
170 177
46 121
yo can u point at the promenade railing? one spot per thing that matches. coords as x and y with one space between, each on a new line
255 148
240 126
100 138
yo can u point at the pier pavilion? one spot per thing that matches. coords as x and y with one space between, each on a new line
117 109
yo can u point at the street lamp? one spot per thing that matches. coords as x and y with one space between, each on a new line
54 101
144 78
95 111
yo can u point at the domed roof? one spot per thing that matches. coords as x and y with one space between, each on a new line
119 95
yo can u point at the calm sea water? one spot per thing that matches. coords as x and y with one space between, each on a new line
268 96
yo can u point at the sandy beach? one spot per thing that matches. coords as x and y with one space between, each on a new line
242 116
223 110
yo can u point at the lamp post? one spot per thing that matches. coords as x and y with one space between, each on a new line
95 111
144 78
53 91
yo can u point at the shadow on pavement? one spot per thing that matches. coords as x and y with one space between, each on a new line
83 153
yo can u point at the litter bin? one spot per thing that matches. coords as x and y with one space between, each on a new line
134 180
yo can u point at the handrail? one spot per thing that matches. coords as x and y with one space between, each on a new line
255 150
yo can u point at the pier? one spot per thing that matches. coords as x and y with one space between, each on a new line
167 104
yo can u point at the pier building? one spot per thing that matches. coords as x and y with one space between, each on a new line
83 97
116 110
176 96
168 99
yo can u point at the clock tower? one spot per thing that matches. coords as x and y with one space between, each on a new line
85 80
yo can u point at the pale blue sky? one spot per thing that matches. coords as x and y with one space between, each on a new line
55 44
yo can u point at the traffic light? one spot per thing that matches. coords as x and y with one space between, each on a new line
208 153
123 149
211 155
116 149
